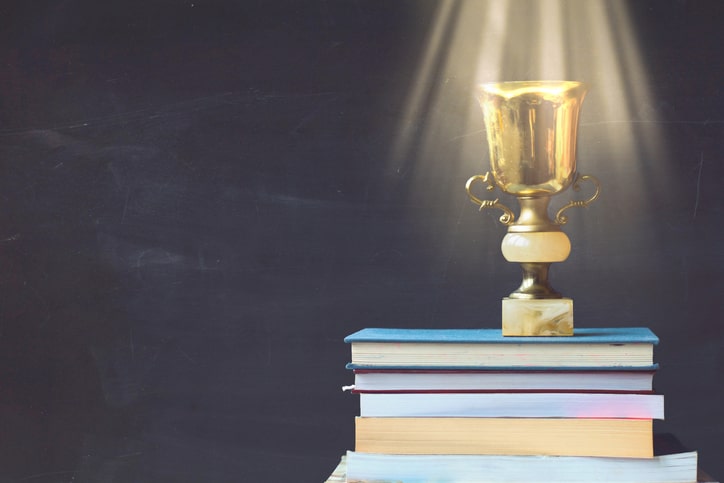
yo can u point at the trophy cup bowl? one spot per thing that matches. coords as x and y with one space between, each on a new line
532 130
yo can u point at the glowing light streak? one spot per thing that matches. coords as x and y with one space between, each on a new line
438 146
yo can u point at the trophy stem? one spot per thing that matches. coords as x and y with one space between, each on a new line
535 283
533 216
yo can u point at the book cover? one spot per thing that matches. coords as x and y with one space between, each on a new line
584 335
625 438
487 348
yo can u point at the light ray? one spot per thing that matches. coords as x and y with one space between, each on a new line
552 42
439 144
420 90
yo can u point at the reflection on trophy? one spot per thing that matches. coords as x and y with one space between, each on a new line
531 129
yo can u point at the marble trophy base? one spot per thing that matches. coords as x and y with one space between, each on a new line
537 317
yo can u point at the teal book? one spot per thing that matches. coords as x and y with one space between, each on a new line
589 348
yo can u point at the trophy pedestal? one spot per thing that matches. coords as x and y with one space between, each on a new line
537 317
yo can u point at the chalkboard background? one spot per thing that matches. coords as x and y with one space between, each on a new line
200 199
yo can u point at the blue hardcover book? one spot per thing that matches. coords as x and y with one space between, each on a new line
589 348
610 335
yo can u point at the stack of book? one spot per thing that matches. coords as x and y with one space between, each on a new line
469 405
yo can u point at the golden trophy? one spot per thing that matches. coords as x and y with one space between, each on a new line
531 130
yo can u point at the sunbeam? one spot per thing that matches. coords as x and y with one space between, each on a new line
441 140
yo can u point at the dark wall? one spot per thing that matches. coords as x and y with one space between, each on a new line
199 203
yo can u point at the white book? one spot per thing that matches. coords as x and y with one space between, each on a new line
669 468
512 405
603 381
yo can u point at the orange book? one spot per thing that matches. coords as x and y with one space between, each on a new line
626 438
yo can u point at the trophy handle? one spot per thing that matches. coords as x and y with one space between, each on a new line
508 216
562 219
